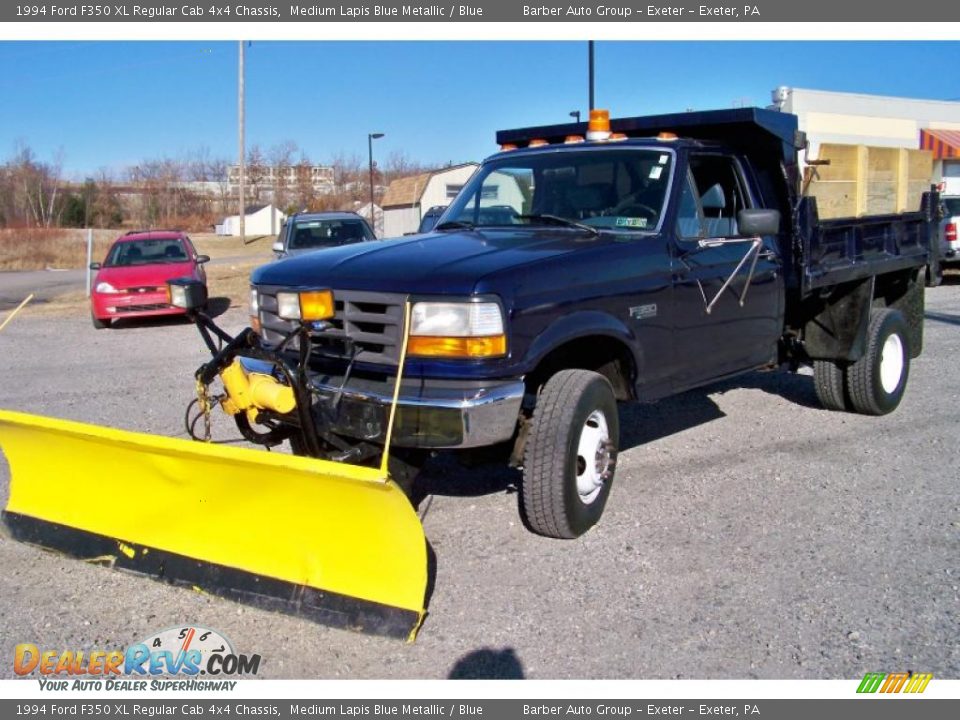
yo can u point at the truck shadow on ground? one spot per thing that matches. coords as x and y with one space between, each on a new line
942 318
488 664
640 424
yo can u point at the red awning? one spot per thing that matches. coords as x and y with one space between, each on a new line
943 143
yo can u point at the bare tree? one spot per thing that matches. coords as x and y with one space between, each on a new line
35 187
280 157
257 173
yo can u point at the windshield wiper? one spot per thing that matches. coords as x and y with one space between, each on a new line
557 220
455 225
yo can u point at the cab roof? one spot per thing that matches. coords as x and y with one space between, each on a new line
750 130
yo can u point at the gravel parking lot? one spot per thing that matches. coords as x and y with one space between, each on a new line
750 534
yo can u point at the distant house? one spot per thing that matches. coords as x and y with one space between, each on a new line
407 199
259 220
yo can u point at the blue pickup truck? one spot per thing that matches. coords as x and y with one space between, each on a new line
641 257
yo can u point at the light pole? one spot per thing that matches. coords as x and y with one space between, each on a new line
575 114
370 138
590 69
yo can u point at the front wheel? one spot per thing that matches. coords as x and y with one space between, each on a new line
876 382
571 455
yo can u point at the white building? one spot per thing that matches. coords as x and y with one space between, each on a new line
880 121
259 220
407 199
268 178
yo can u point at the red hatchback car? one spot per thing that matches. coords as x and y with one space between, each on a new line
132 281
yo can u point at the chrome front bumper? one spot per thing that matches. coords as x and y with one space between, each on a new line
429 414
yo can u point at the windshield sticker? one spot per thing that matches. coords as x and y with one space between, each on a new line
656 171
664 159
310 224
637 222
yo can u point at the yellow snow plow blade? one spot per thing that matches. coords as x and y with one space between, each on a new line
336 543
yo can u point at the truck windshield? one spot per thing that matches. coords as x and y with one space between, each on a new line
620 188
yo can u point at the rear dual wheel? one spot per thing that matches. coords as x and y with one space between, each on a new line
874 384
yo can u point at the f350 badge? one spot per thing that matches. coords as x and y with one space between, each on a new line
642 312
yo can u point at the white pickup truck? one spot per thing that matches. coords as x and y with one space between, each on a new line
949 242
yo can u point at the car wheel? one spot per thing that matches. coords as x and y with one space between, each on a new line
876 382
571 455
829 381
98 323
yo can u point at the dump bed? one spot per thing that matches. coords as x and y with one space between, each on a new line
848 249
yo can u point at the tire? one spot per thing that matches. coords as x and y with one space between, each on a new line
876 382
576 415
830 383
98 323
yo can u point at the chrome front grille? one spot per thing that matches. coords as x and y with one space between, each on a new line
370 322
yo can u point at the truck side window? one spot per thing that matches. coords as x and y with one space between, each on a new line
720 191
689 218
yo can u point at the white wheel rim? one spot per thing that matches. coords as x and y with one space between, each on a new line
891 363
594 457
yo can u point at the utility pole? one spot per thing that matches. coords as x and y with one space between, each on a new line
241 151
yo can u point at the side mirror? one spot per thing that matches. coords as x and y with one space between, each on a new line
758 221
201 259
278 247
95 266
187 293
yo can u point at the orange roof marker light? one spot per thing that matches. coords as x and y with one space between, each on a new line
537 142
617 136
599 126
571 139
667 136
508 146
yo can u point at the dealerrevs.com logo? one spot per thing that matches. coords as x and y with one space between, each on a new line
183 658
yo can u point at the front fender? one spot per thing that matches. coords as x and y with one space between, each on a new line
581 324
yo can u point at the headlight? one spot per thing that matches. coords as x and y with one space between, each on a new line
254 302
186 293
456 319
105 287
307 305
457 330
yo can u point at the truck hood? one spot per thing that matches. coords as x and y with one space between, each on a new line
448 263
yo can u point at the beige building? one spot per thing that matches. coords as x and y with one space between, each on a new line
407 199
880 121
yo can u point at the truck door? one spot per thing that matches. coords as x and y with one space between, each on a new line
725 319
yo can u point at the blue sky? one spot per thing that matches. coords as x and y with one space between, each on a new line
112 104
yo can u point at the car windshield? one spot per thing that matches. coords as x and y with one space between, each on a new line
326 233
622 189
146 252
952 204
